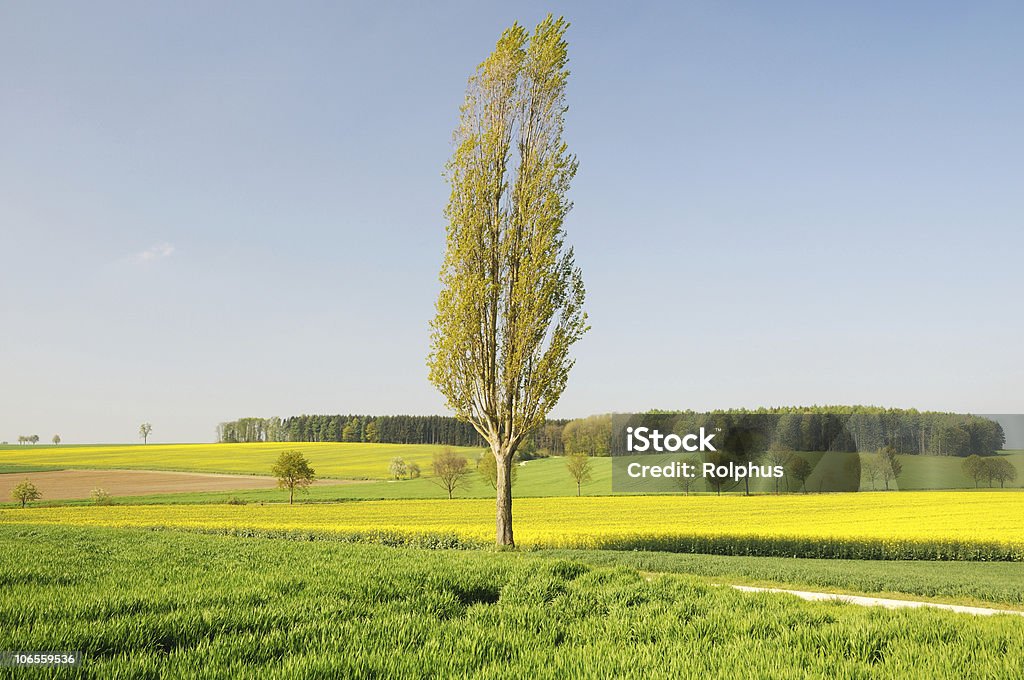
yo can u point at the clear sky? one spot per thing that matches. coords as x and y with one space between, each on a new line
213 210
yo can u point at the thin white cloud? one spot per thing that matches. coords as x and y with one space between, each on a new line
157 252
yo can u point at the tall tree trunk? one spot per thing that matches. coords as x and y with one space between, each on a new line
503 460
291 495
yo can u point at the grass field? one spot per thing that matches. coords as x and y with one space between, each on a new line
340 460
542 477
983 584
909 525
137 606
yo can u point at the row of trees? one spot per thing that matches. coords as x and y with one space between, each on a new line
351 428
34 438
990 470
452 471
379 429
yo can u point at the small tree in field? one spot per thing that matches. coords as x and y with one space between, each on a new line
26 492
974 466
56 440
414 470
144 431
293 472
686 482
800 470
34 439
398 468
889 465
450 471
1003 471
779 458
578 465
871 470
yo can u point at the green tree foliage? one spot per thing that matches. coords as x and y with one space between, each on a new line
372 432
799 469
780 458
549 439
889 465
145 429
990 469
953 440
488 469
451 471
56 440
511 301
579 467
975 467
685 482
398 468
352 432
377 429
293 472
1003 471
591 436
860 428
25 493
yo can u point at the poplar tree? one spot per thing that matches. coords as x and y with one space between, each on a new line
511 304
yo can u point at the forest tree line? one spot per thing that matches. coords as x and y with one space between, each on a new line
443 430
816 428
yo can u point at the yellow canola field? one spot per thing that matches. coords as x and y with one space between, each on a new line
886 521
349 460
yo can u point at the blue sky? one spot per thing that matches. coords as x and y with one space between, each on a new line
210 210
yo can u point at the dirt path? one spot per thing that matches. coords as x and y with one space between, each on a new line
71 484
866 601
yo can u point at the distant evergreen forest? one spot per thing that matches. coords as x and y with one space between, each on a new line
798 428
352 428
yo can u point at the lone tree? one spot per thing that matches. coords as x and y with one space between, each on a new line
26 492
450 471
975 467
398 467
144 431
293 472
800 470
889 465
871 470
578 465
56 440
780 458
511 301
687 482
1003 471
